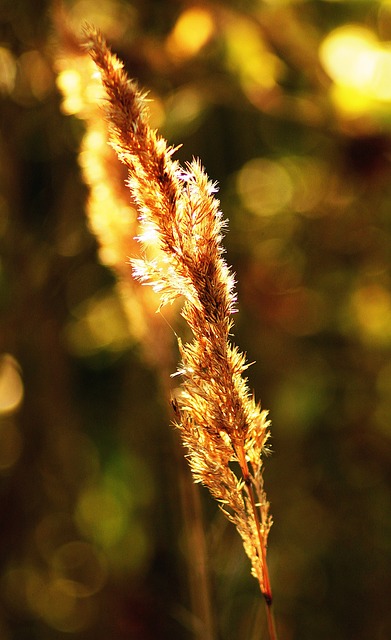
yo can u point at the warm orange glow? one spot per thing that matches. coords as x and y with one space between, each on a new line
69 82
11 385
79 86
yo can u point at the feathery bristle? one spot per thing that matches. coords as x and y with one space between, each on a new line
217 416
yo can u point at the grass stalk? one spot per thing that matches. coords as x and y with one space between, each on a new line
221 425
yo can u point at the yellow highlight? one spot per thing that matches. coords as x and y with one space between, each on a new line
371 305
347 55
249 57
381 80
191 32
360 67
7 71
69 82
349 101
11 385
81 90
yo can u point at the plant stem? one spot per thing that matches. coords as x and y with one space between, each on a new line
265 585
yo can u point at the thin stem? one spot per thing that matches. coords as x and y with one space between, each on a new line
270 622
265 587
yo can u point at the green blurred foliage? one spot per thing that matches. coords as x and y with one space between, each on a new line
288 105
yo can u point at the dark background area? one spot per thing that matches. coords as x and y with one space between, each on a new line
289 107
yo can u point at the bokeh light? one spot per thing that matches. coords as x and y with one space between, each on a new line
112 16
7 71
11 385
371 305
248 56
360 67
288 106
191 32
264 186
99 323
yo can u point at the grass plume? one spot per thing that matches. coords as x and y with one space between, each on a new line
223 429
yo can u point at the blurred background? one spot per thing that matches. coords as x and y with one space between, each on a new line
102 535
